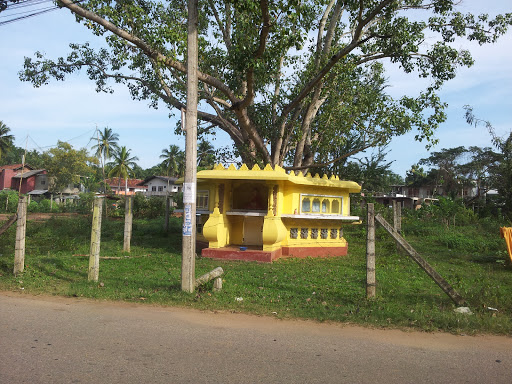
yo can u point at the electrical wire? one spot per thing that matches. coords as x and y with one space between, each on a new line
29 12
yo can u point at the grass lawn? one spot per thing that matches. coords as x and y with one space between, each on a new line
472 258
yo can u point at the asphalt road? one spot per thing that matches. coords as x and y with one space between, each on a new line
60 340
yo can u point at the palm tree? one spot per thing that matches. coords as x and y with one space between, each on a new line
174 160
123 166
107 143
205 155
106 146
5 138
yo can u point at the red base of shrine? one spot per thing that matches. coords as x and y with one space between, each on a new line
251 254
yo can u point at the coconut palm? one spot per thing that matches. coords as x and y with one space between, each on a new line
107 143
122 166
5 138
174 160
105 147
205 155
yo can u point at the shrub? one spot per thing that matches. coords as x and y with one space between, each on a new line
33 207
9 201
84 204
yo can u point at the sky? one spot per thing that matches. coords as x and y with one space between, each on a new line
71 110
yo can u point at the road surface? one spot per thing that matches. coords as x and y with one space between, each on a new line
63 340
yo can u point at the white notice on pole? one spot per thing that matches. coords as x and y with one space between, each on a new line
189 193
187 220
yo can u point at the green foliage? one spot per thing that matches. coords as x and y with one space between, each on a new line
85 203
448 212
123 163
173 161
33 206
9 201
65 165
147 207
6 139
45 205
286 80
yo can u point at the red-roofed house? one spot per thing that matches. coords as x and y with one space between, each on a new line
120 187
31 179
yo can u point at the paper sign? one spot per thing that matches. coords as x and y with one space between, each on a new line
189 193
187 220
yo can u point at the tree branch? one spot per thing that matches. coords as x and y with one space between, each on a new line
144 47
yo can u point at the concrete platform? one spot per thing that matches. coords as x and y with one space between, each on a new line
256 254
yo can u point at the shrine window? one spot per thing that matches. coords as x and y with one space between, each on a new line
202 199
320 204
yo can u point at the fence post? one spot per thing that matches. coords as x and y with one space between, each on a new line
94 256
21 228
128 220
397 221
167 209
370 252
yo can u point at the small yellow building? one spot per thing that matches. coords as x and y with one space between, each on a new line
263 214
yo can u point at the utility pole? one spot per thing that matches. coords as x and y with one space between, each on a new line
189 185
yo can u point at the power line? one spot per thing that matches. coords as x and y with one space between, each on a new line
89 132
29 12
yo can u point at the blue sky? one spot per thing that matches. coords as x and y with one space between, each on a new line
70 110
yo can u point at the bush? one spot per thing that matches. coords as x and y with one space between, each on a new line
44 205
85 203
33 207
9 201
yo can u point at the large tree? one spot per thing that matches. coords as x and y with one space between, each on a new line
66 165
499 169
286 80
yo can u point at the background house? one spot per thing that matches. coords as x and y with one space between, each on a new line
32 181
413 197
118 186
161 185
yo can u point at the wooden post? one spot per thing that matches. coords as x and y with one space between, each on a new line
370 252
215 274
94 255
128 220
6 202
217 284
167 210
397 220
21 228
51 202
443 284
8 223
188 261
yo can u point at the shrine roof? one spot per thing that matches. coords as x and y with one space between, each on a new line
219 172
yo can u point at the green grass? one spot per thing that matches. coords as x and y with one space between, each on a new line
472 258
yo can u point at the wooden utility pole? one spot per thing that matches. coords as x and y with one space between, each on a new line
21 228
128 220
443 284
189 184
94 255
370 252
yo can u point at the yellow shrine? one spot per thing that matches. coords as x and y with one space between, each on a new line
263 214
